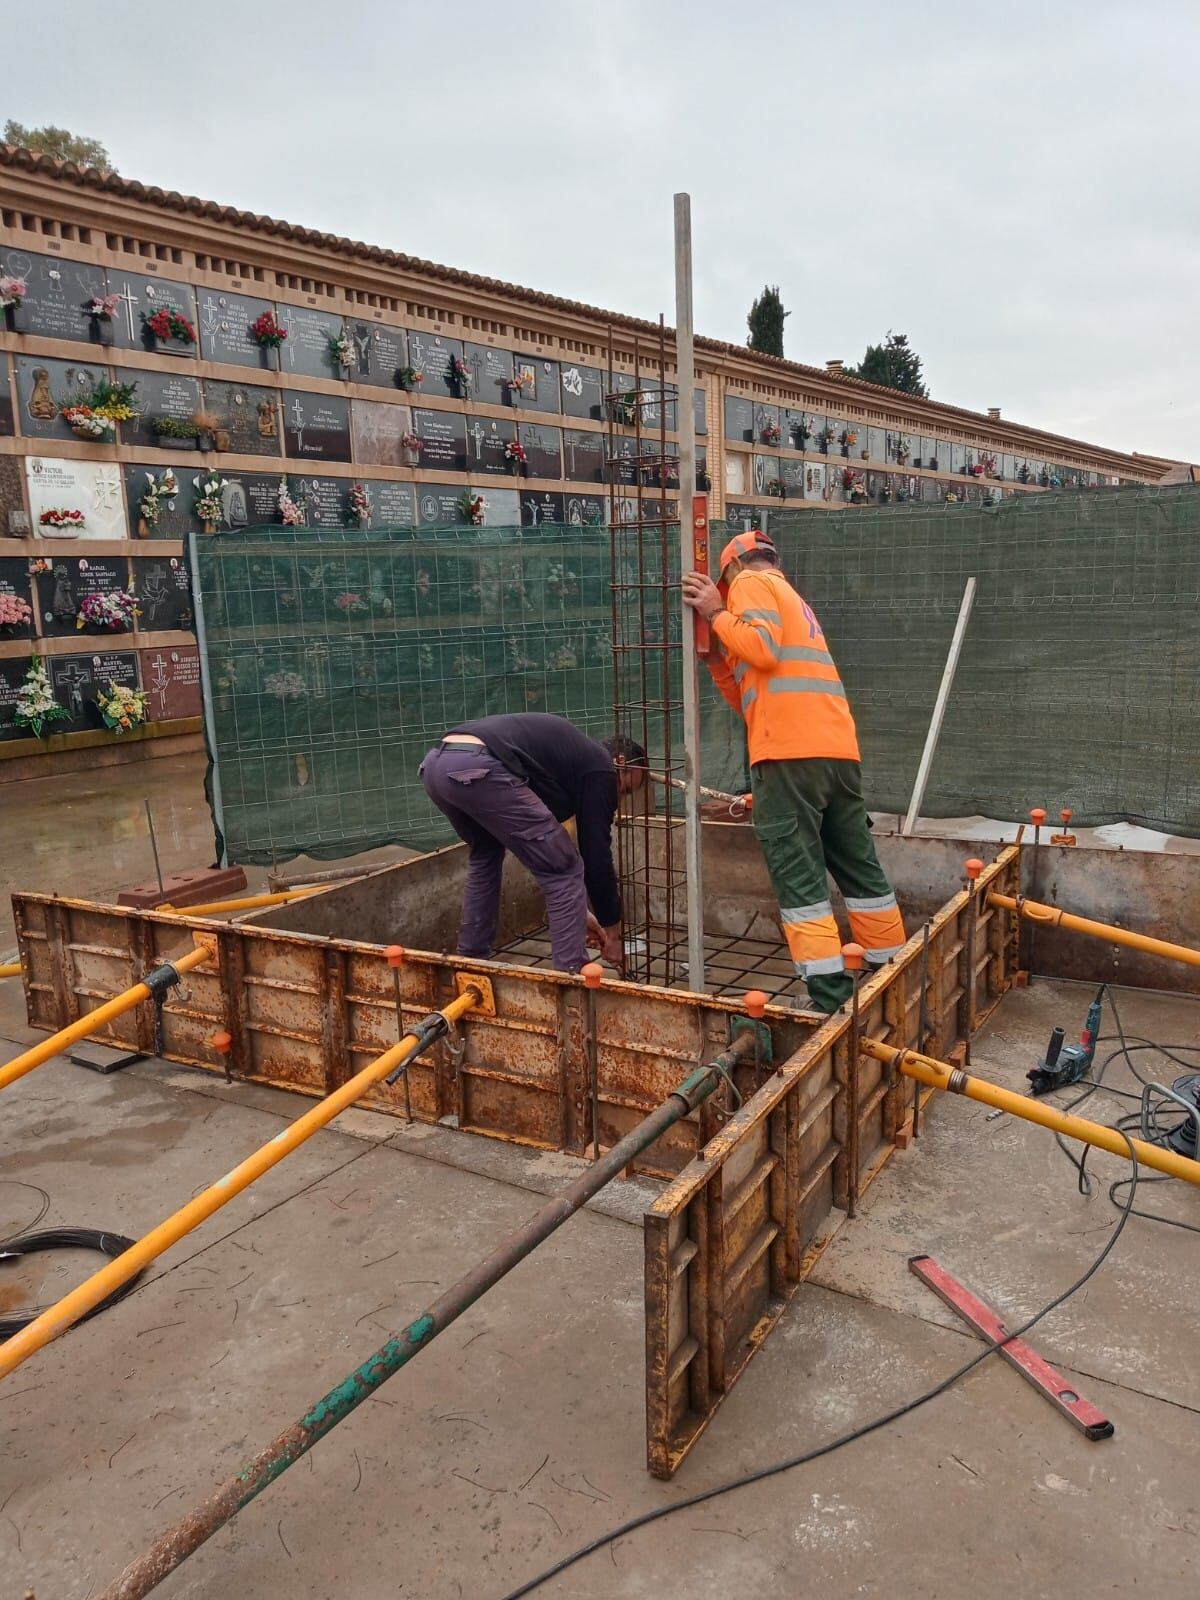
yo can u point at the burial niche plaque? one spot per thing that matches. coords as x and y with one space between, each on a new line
164 593
172 396
316 426
171 678
225 321
56 292
443 436
78 680
247 418
141 297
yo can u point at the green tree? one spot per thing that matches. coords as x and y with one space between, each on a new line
60 142
894 364
766 322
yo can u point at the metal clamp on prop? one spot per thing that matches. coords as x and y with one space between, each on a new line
159 980
426 1032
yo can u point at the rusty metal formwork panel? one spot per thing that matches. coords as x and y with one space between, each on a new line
556 1067
727 1243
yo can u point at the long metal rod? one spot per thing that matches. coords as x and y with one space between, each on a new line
206 697
685 427
177 1543
92 1022
153 842
1054 917
939 710
941 1075
67 1311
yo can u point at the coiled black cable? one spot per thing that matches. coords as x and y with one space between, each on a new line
27 1244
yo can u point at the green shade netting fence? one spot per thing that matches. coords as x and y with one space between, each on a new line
335 658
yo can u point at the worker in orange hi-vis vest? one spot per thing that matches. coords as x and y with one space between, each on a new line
770 661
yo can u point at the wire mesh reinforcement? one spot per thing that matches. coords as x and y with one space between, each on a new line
336 658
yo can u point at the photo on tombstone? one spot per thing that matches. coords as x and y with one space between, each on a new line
543 449
71 499
488 439
541 384
583 456
739 419
307 352
14 519
163 588
171 678
316 426
225 321
141 297
432 355
540 506
167 406
45 386
68 593
6 403
585 510
159 500
57 294
438 505
377 432
582 391
78 681
443 436
380 352
491 371
241 419
17 601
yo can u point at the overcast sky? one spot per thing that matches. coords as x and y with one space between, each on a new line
1013 186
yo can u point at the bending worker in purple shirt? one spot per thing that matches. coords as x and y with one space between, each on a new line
509 783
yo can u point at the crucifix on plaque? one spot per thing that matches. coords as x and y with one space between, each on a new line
475 362
72 677
298 423
130 300
478 432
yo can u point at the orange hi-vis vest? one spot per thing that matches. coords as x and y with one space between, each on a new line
776 671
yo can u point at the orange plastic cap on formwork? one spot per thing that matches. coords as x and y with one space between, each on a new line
222 1042
854 956
1037 816
394 954
1066 814
755 1002
974 868
592 975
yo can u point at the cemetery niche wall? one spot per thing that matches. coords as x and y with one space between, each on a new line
169 369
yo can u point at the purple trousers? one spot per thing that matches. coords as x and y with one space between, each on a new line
492 811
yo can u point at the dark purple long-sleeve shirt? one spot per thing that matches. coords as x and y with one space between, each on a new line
573 776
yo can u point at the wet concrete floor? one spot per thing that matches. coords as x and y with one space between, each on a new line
519 1433
87 835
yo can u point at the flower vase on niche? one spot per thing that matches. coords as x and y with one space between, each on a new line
410 449
100 311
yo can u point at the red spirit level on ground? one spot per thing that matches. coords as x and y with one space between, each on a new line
1093 1424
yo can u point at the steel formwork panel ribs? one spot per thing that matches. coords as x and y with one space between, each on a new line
756 1194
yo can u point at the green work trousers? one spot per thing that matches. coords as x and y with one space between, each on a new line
811 821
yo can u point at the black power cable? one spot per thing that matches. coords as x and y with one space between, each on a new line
894 1415
25 1244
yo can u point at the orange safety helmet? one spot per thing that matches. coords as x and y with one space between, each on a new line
745 544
